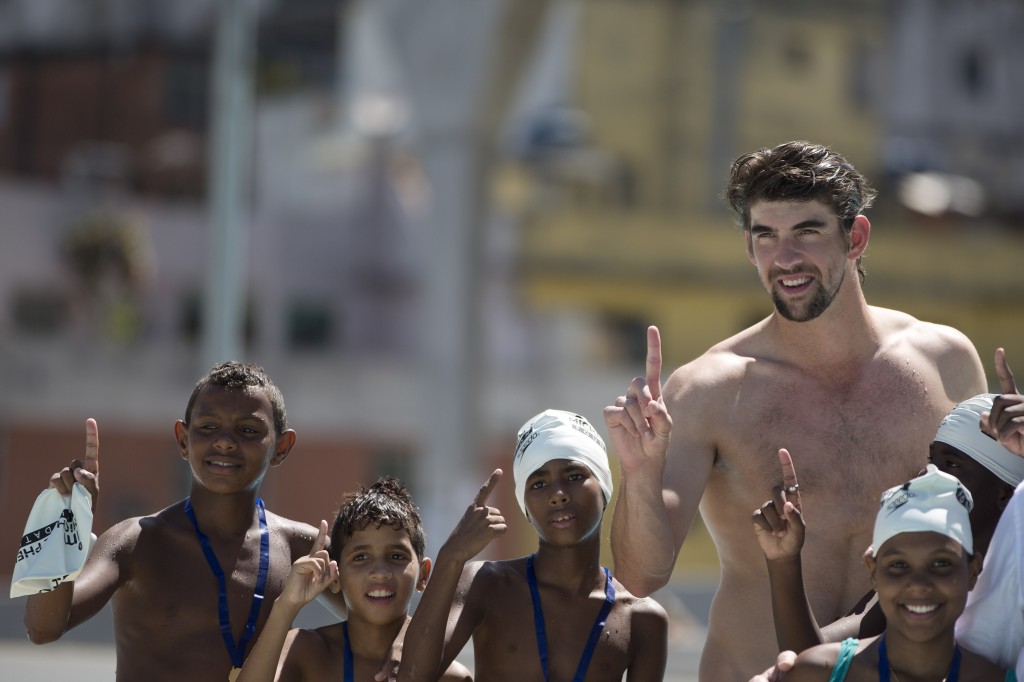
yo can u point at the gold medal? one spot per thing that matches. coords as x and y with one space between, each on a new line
233 675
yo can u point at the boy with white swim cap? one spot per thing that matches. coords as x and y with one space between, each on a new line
532 618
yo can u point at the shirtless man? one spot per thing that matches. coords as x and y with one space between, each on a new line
822 376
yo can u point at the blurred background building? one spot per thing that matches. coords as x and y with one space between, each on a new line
454 215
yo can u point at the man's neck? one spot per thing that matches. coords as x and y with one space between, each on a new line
843 334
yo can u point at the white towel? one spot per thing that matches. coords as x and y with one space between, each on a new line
56 542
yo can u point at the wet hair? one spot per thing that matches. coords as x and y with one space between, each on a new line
240 375
386 502
798 171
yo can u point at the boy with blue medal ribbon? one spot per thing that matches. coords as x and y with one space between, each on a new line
212 558
555 615
376 562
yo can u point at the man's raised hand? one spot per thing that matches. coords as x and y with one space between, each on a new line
779 522
85 471
638 423
1005 422
478 526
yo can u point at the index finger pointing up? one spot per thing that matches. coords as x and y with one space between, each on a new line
486 489
654 361
321 539
92 446
789 483
1006 381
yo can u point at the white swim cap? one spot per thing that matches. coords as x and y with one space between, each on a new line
934 501
960 429
557 434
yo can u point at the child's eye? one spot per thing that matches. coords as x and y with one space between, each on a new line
576 476
399 556
537 485
358 557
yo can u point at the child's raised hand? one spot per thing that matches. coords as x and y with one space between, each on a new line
85 471
1005 422
310 575
779 522
478 526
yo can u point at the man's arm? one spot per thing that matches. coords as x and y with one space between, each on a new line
449 597
665 462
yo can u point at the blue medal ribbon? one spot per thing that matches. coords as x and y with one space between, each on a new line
236 651
350 666
595 630
883 663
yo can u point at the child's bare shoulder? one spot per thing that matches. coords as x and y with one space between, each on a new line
299 535
624 599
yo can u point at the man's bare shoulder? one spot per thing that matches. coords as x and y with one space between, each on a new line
718 369
930 344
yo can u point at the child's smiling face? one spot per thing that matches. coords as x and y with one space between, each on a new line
378 572
922 580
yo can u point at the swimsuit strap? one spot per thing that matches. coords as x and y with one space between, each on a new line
350 667
595 630
236 651
883 663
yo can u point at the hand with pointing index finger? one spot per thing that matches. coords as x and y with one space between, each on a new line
779 522
1005 422
478 526
85 471
310 575
638 423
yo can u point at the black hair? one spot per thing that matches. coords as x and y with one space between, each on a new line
386 502
240 375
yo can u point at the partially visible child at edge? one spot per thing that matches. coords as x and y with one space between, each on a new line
170 575
376 561
922 566
986 468
990 465
555 614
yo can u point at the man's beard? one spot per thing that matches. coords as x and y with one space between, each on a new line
821 299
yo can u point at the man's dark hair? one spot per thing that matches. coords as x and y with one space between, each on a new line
240 375
798 171
386 503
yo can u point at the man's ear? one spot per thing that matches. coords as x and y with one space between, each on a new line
858 237
284 445
1005 493
425 567
181 438
749 241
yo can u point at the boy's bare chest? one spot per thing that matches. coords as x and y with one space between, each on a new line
511 642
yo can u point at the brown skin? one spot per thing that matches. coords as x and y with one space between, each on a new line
152 568
490 601
826 388
374 558
911 569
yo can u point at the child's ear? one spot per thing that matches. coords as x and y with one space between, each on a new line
425 567
181 438
870 562
974 568
284 445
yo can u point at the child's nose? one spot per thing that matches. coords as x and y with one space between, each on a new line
558 496
224 441
380 568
